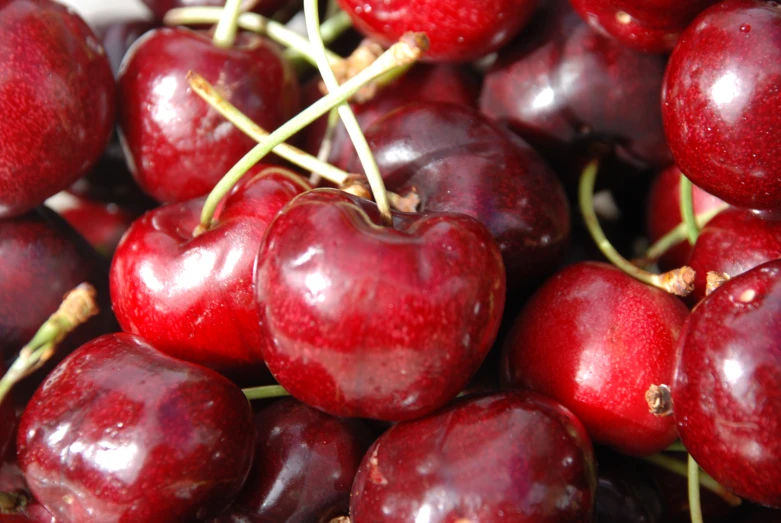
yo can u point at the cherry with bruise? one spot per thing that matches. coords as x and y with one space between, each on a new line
728 381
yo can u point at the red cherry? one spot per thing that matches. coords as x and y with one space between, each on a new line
177 147
596 340
719 102
56 98
507 456
376 322
191 296
7 420
728 382
459 30
121 432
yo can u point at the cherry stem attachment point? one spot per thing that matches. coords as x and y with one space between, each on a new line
695 507
680 468
227 26
264 392
678 281
346 113
687 209
407 50
76 308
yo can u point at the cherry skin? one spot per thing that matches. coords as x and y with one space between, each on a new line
264 7
177 147
460 162
122 432
720 111
596 340
727 383
459 30
57 98
7 419
735 241
12 482
191 296
305 462
378 322
652 26
507 456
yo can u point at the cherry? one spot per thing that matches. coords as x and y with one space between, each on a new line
597 340
377 322
7 420
264 7
177 147
191 296
651 26
459 30
735 241
12 482
459 161
305 462
719 105
56 98
728 377
507 456
117 37
122 432
625 492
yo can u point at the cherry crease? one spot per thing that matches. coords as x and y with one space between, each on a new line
191 296
377 322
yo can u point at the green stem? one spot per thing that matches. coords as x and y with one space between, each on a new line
326 145
403 52
346 113
679 234
227 26
267 391
687 209
679 281
676 446
680 468
695 509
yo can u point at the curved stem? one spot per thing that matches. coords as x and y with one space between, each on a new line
403 52
679 234
346 113
267 391
706 481
227 26
687 209
695 508
678 281
326 145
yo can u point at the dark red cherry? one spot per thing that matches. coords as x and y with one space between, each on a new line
459 30
191 296
458 161
177 147
305 462
7 419
663 213
264 7
122 432
118 36
735 241
652 25
719 103
28 509
625 492
596 340
508 456
728 381
378 322
57 101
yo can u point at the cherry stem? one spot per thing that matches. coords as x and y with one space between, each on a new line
695 508
12 503
680 468
76 308
326 145
267 391
347 115
407 50
293 154
678 281
677 235
249 22
676 446
331 29
227 26
687 209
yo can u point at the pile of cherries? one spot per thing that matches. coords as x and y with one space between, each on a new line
460 350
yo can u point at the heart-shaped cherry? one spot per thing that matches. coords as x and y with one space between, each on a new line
378 322
597 340
728 382
507 456
719 103
191 296
122 432
57 100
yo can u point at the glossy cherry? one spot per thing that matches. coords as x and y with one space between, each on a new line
456 160
508 456
728 377
265 7
191 296
459 30
719 106
651 26
12 482
596 340
378 322
57 98
122 432
177 147
305 462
